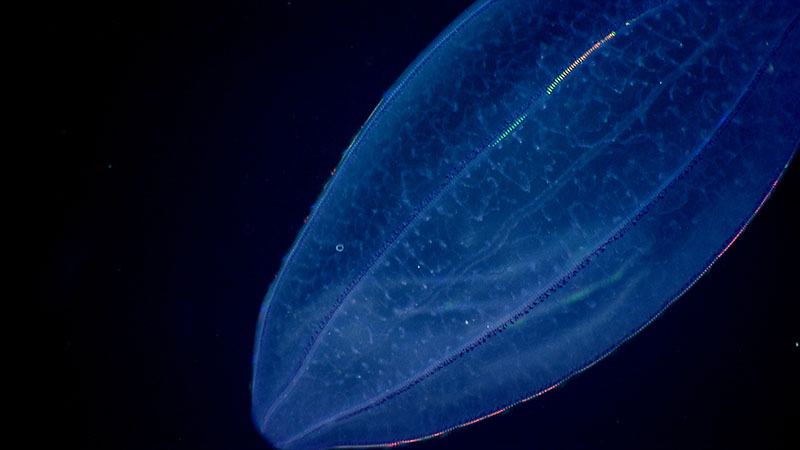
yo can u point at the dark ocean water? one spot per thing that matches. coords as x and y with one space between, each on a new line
191 139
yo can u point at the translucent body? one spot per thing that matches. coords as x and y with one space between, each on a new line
535 188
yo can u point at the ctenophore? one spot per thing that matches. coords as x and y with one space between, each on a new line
539 185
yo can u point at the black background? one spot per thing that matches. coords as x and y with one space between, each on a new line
189 142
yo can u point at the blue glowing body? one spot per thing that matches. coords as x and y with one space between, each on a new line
536 188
